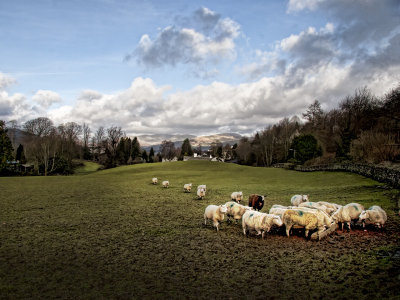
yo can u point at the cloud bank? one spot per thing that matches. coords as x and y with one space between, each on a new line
207 38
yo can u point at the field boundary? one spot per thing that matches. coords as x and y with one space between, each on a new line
378 173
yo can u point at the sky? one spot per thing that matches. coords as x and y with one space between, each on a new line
191 67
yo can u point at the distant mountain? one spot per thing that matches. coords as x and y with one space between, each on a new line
155 141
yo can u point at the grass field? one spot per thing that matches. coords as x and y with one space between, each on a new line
111 234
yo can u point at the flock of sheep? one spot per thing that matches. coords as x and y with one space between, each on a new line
302 213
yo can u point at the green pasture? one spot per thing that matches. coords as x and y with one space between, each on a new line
111 234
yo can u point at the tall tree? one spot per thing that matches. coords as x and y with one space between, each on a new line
186 149
167 150
6 149
151 155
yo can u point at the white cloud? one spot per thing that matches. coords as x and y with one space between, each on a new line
6 81
46 98
209 40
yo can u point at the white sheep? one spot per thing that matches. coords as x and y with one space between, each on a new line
330 205
374 215
258 221
187 187
202 186
316 205
154 180
347 213
165 184
215 213
297 199
277 211
237 196
201 193
236 210
306 217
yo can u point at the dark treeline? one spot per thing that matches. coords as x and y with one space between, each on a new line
46 149
364 128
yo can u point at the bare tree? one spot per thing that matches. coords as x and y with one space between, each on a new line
39 126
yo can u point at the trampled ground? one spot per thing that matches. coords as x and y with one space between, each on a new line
111 234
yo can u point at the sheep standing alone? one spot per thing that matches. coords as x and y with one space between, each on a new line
165 184
347 213
154 180
297 199
187 188
374 215
201 193
215 213
237 196
236 210
259 222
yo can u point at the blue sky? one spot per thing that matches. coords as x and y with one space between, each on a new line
191 67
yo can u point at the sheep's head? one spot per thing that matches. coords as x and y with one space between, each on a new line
305 198
277 221
223 208
364 215
335 217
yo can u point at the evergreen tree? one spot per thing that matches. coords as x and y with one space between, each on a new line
305 148
6 149
186 148
20 156
151 155
135 150
144 156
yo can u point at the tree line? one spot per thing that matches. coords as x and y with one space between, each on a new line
363 128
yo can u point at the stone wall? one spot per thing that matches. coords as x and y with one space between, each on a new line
381 174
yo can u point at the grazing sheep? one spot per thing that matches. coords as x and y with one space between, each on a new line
236 210
187 188
330 205
279 206
215 213
374 215
347 213
154 180
165 184
277 211
202 186
297 199
300 218
237 196
316 205
256 201
201 193
259 222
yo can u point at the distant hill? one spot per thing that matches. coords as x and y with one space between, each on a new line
155 141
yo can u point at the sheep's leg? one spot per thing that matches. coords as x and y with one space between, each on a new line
348 224
263 233
288 230
306 232
205 221
216 223
244 230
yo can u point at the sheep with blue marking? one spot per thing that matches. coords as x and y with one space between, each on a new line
236 210
346 214
297 199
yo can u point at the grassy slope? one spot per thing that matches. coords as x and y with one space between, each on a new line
111 234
